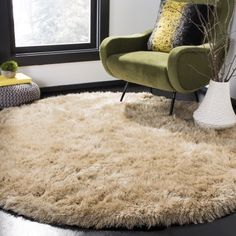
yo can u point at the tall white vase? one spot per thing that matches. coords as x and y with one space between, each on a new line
216 111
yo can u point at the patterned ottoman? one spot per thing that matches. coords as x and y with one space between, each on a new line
16 95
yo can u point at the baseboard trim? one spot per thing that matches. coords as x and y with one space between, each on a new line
103 85
82 87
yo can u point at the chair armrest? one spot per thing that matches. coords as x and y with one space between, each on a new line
123 44
189 68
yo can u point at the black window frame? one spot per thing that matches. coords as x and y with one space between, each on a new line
52 54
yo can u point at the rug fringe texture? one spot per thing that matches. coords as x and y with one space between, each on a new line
88 160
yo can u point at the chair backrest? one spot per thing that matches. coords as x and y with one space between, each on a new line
225 10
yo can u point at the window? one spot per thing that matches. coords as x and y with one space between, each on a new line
37 23
52 31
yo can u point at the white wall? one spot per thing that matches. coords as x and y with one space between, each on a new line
126 17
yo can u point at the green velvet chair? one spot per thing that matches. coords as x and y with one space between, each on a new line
179 71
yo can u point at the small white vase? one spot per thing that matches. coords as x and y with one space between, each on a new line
216 111
8 74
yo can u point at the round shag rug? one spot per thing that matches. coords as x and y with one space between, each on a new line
89 160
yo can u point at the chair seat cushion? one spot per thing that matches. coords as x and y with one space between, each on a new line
142 67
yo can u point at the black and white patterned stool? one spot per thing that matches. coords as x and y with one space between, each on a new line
16 95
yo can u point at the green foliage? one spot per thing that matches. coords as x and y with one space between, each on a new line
9 66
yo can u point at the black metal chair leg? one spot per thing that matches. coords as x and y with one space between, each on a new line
151 90
196 96
173 103
124 92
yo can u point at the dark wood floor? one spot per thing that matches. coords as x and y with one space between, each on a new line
12 225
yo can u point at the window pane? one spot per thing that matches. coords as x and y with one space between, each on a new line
51 22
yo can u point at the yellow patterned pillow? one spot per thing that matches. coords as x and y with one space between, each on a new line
176 25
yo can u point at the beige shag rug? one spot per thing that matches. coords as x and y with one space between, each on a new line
89 160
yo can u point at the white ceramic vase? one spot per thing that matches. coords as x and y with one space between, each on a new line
8 74
216 111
